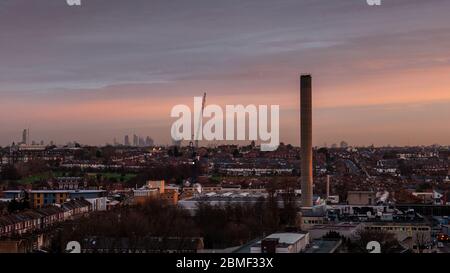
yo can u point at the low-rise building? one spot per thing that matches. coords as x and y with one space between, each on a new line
143 195
39 219
326 246
76 208
98 204
224 197
69 183
347 230
156 184
42 198
15 246
410 235
282 243
361 198
446 229
425 197
309 218
170 196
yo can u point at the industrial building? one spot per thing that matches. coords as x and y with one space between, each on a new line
282 243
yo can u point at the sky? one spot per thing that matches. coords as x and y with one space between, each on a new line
114 67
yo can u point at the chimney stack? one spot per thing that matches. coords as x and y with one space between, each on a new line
306 140
328 186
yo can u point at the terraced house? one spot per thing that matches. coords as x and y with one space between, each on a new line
40 219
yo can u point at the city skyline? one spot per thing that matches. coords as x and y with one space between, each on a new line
381 74
141 141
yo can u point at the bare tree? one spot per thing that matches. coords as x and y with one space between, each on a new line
363 236
421 241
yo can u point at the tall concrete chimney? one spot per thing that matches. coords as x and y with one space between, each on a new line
328 186
306 140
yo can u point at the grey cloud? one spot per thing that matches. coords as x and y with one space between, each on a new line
46 44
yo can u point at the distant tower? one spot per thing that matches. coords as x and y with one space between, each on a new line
141 142
25 136
135 140
200 121
126 141
149 141
306 140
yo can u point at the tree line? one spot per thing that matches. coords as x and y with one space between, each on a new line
219 226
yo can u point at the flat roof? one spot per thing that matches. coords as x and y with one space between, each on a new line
361 192
57 191
392 224
340 226
246 248
148 189
286 238
323 246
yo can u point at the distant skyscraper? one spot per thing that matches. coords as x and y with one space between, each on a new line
149 141
141 141
126 141
344 145
135 140
25 136
306 140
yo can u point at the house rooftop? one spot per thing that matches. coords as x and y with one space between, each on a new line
286 238
324 246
